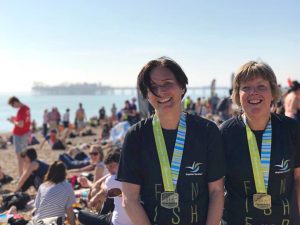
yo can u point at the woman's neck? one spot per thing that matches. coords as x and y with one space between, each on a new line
169 121
258 123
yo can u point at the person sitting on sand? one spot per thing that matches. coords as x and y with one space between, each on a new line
108 187
54 141
55 196
34 170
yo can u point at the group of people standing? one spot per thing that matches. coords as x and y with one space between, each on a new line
174 166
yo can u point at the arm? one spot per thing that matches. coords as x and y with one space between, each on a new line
71 216
33 166
99 172
216 202
65 136
297 186
96 186
83 169
132 205
19 123
42 144
100 196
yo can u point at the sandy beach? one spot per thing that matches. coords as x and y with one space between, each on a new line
8 160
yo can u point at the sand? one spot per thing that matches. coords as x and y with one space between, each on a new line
8 161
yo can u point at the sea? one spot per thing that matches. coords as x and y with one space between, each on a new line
91 104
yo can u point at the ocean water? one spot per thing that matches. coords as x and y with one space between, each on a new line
91 104
38 103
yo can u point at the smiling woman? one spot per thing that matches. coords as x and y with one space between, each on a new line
261 153
171 165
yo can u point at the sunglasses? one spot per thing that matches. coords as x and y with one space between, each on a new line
93 153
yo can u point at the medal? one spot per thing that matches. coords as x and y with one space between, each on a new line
169 199
262 201
260 166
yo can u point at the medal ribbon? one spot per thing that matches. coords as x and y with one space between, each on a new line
260 166
169 173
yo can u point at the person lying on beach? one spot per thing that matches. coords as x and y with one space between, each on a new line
95 163
34 170
54 141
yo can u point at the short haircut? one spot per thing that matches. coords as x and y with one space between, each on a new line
112 156
30 153
56 172
251 70
12 100
144 80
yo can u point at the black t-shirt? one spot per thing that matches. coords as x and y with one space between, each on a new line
202 162
239 180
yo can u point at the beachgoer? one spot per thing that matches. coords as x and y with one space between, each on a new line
109 184
45 122
55 196
80 118
195 194
34 170
113 112
292 101
95 164
102 115
261 151
21 128
54 141
66 118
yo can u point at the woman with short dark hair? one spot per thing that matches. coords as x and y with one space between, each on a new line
55 196
171 166
34 170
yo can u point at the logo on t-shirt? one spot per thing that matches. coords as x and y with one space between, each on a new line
194 169
283 167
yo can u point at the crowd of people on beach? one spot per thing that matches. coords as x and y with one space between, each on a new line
168 168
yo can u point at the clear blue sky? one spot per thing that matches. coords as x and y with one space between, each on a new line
109 41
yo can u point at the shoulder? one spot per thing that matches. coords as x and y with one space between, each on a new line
284 121
34 165
141 126
65 185
232 124
197 122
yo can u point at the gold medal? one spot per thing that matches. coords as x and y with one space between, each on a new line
169 200
262 201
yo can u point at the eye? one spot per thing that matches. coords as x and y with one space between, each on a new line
261 88
246 89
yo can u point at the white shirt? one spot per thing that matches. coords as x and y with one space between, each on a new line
66 117
119 215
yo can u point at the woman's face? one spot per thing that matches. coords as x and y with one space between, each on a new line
95 156
167 89
256 97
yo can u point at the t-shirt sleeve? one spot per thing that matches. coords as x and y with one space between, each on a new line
71 196
216 164
129 169
38 198
111 182
296 141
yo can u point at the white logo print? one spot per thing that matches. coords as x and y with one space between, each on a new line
283 167
194 169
